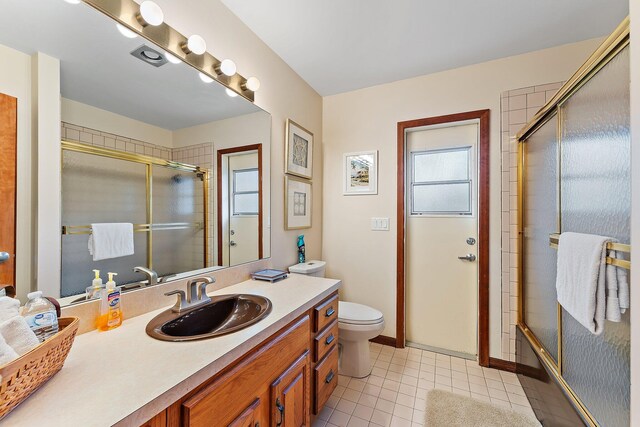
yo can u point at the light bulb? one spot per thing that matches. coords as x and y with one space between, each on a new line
73 1
253 84
172 58
231 93
196 44
228 67
126 32
205 78
151 13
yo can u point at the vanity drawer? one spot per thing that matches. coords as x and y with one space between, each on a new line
325 313
325 340
326 378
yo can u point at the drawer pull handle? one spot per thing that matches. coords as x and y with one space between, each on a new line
329 312
281 410
329 339
329 377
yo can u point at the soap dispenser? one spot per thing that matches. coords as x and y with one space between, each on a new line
96 288
110 310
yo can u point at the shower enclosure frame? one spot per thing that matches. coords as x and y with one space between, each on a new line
149 162
609 49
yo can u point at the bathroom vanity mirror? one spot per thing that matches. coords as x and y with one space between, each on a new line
145 139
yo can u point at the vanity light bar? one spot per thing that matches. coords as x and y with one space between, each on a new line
191 50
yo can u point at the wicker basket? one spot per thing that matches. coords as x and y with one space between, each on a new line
27 373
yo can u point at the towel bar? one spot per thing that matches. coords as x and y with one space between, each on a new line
620 247
137 228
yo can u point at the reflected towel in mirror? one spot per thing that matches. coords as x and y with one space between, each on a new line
111 240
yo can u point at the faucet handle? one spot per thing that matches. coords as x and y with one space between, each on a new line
202 289
181 302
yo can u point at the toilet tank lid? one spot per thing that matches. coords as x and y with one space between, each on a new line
308 267
350 312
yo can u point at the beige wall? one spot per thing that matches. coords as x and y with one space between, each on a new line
366 120
85 115
282 93
235 132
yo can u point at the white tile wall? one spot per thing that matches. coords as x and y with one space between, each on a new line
395 392
517 108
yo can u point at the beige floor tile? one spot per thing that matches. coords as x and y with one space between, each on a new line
373 390
387 394
381 418
363 411
402 411
357 422
351 395
385 405
339 419
345 406
368 400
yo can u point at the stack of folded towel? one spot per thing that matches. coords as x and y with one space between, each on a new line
589 289
16 337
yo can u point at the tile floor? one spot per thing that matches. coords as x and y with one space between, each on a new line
394 394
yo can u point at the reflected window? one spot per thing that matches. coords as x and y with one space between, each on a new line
246 194
441 182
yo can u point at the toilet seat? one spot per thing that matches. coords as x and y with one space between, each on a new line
358 314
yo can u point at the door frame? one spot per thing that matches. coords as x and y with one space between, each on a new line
236 150
483 224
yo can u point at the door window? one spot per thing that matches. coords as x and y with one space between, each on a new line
441 182
246 192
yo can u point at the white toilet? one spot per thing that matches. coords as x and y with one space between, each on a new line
357 324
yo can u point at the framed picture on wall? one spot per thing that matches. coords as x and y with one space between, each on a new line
299 150
360 173
297 203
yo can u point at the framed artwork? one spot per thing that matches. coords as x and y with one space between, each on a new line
360 173
297 203
299 150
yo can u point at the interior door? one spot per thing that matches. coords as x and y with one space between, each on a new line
8 146
244 186
441 238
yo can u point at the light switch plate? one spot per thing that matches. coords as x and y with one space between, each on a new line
380 224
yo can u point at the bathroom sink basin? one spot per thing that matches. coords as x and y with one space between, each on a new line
223 315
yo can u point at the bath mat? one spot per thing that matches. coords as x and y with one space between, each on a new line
445 409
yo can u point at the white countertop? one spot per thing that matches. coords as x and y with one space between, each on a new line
125 377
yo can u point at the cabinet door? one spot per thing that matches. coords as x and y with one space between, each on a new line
249 417
290 395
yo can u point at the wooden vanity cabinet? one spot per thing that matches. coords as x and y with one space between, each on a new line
279 383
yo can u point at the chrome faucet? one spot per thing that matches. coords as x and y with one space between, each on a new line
152 275
197 294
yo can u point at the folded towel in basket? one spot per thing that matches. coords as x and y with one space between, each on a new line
19 335
9 307
111 240
7 354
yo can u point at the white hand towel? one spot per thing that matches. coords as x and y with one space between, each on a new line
7 354
9 307
111 240
617 290
580 281
18 334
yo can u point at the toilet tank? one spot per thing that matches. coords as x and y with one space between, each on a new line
311 268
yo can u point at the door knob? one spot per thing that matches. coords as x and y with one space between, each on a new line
468 257
232 243
4 256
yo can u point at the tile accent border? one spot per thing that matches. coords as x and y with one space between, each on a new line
517 107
